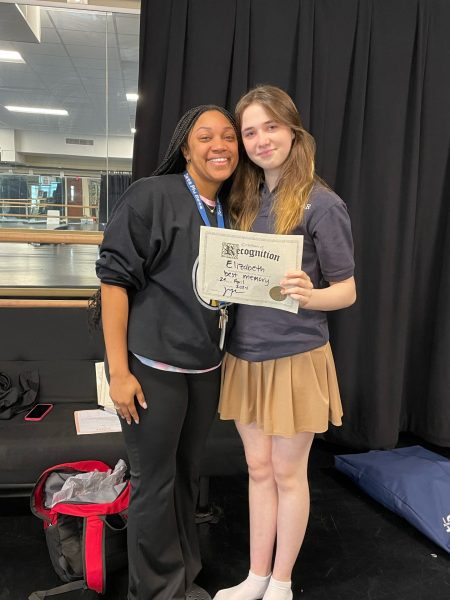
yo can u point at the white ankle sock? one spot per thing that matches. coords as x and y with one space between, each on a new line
278 590
252 588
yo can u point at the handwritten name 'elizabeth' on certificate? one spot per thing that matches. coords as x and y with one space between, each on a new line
246 267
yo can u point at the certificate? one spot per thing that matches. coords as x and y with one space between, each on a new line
95 421
246 268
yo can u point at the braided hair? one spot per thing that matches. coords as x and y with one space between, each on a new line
173 162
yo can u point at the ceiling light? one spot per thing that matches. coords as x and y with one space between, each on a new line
132 97
11 56
38 111
133 130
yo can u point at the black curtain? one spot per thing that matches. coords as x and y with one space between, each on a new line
371 81
13 187
112 186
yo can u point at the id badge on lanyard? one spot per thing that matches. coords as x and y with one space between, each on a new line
223 319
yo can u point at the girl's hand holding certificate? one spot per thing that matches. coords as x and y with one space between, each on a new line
297 285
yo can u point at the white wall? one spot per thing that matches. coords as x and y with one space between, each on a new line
54 144
7 145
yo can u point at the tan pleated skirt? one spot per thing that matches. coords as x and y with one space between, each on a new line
283 396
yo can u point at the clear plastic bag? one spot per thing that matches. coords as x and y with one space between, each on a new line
92 487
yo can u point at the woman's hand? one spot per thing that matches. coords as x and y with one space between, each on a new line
123 390
297 285
337 295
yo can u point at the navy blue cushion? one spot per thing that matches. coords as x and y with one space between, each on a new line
412 482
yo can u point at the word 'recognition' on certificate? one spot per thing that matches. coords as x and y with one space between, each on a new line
246 268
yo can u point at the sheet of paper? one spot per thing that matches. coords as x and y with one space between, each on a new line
96 421
246 267
103 397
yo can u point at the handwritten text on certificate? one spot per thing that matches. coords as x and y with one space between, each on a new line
246 267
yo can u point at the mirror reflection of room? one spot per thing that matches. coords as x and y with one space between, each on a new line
67 121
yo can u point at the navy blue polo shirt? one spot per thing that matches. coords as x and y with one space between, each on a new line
261 333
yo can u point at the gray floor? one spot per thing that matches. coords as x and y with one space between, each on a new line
47 265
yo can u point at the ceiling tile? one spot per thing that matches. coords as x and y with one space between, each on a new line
49 36
78 21
49 61
85 38
30 50
67 70
128 41
127 24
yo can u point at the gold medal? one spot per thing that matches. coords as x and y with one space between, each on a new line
275 294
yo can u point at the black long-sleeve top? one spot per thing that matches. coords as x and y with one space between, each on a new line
150 247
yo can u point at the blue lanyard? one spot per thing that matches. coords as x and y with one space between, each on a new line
201 209
220 223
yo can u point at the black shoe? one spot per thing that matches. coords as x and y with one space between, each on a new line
195 592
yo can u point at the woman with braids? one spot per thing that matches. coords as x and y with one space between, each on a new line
279 379
162 346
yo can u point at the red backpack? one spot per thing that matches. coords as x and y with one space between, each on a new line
84 539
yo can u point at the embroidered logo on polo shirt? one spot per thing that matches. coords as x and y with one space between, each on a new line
446 521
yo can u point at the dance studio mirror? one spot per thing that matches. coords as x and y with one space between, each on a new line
68 80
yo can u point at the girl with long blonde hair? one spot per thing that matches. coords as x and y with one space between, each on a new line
279 379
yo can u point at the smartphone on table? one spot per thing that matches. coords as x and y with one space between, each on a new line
38 412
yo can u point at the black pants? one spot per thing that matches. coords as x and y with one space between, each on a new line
164 451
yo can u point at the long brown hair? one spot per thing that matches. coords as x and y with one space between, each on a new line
297 173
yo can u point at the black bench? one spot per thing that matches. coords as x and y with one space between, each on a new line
57 342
